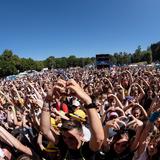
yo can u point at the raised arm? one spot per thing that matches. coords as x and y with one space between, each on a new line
117 100
12 141
142 110
146 84
130 76
142 93
45 122
148 127
36 91
97 133
109 82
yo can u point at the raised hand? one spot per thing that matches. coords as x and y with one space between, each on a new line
134 123
115 123
80 93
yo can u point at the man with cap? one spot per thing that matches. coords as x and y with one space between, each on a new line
71 141
80 115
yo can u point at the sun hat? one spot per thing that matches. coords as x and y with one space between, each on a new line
79 114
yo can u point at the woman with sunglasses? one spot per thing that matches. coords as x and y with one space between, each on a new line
123 143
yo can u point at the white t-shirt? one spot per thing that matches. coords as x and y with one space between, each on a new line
87 133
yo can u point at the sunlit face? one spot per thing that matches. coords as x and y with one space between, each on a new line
135 91
152 148
19 116
125 82
136 113
73 138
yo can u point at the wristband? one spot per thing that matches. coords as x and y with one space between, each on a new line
91 105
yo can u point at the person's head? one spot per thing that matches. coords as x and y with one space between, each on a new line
72 133
125 82
121 142
19 115
152 147
134 91
104 97
150 93
157 123
112 101
136 112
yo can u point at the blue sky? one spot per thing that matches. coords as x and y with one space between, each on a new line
43 28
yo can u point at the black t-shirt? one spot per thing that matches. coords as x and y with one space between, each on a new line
126 155
84 153
35 155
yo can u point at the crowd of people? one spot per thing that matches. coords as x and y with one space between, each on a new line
81 114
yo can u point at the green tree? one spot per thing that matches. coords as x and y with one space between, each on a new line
7 68
148 57
7 63
39 65
137 55
7 55
71 61
113 59
155 48
50 62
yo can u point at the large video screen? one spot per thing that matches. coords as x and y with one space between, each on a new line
102 60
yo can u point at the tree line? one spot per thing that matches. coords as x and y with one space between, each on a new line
11 64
